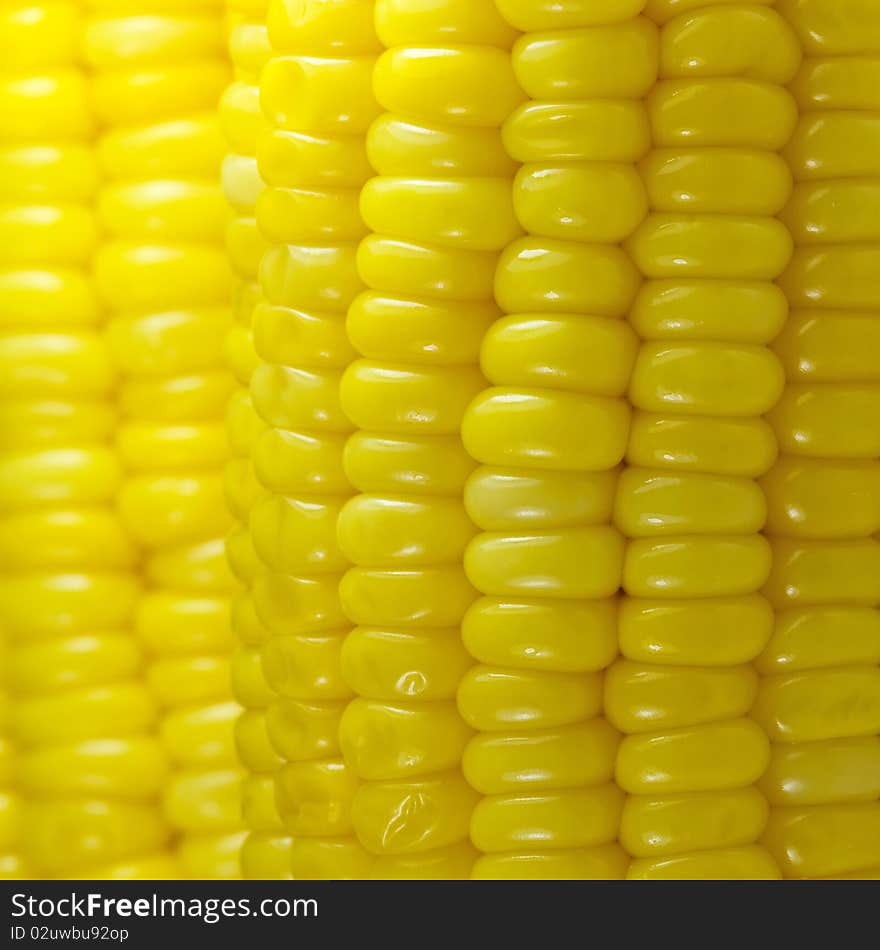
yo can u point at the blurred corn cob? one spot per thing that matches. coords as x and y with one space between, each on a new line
89 764
158 69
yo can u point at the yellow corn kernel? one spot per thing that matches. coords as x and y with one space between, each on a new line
129 769
590 130
655 827
493 699
654 502
806 638
68 835
824 840
816 773
726 40
266 857
534 428
640 698
847 28
571 818
721 113
584 354
827 346
817 573
730 754
685 567
437 807
836 83
532 633
617 61
77 661
575 563
819 704
595 279
395 665
722 445
718 632
572 756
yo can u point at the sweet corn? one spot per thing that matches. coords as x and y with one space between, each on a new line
89 768
540 540
162 275
819 698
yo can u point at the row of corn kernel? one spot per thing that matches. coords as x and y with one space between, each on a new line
316 95
158 71
440 212
693 618
550 435
89 765
266 851
820 699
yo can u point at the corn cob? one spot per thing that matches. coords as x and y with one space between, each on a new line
693 619
158 69
820 698
89 764
439 212
549 435
266 851
315 93
359 763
